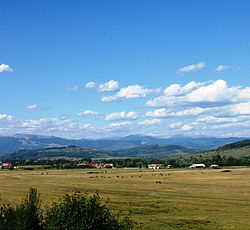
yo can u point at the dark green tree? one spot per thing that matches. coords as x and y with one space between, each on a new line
80 212
26 216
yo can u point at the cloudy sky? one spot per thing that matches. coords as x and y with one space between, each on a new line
97 69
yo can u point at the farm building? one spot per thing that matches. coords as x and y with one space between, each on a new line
156 166
6 165
103 165
90 165
197 166
214 166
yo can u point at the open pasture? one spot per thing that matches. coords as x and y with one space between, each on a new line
158 199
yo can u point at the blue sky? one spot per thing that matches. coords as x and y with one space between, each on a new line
157 68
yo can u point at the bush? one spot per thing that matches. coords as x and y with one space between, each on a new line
78 212
75 212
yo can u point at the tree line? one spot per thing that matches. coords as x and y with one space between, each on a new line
176 162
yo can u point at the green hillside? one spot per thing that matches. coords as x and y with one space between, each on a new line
237 153
155 151
236 145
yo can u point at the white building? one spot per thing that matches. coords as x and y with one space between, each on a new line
197 166
156 166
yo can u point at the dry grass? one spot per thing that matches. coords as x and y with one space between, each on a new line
182 199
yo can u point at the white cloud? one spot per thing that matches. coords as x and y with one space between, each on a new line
215 120
90 85
192 67
109 86
175 125
221 68
87 113
119 124
74 88
176 89
150 122
5 117
157 113
235 109
121 116
5 68
163 112
32 107
50 126
242 95
132 91
186 127
202 94
215 92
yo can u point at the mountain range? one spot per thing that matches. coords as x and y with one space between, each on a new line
74 152
10 144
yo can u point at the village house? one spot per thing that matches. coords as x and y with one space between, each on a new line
156 166
6 165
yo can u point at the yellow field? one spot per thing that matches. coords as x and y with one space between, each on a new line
182 199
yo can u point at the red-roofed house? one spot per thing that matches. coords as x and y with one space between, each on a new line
6 165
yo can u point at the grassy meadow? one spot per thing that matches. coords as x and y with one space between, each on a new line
158 199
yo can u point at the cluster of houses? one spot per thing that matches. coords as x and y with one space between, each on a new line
6 165
98 166
159 166
150 166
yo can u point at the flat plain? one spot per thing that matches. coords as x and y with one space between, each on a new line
157 199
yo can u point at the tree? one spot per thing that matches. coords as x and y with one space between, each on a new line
26 216
79 212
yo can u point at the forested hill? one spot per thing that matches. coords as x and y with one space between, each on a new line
237 153
156 151
236 145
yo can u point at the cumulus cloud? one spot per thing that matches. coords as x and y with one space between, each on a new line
190 68
32 107
221 68
121 116
109 86
215 92
204 93
87 113
131 91
90 85
176 89
200 107
5 68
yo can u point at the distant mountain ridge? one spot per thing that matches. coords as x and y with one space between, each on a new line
9 144
149 151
